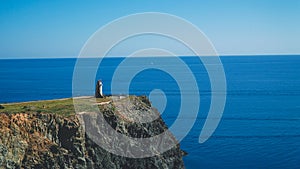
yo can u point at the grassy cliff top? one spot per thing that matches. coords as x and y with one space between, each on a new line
62 107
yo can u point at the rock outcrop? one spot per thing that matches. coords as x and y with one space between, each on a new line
45 140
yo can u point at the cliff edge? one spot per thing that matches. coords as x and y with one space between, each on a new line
47 134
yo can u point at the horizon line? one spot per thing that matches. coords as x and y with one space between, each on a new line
220 55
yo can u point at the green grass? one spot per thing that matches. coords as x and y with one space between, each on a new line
62 107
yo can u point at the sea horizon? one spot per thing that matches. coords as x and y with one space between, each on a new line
119 56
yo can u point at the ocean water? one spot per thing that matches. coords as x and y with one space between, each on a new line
260 127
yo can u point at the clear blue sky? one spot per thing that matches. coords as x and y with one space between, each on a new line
55 28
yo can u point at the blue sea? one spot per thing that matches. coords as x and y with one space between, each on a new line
260 127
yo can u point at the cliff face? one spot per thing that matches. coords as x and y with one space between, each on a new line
45 140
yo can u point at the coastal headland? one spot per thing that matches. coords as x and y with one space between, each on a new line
48 134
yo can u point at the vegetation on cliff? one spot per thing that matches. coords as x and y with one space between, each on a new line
48 134
63 107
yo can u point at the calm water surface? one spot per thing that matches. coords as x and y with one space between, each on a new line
260 127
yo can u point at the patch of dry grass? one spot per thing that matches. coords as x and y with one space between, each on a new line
62 107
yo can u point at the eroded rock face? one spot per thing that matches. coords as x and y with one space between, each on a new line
40 140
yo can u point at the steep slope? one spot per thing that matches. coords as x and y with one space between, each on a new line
33 139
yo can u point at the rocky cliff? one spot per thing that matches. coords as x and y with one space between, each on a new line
32 139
